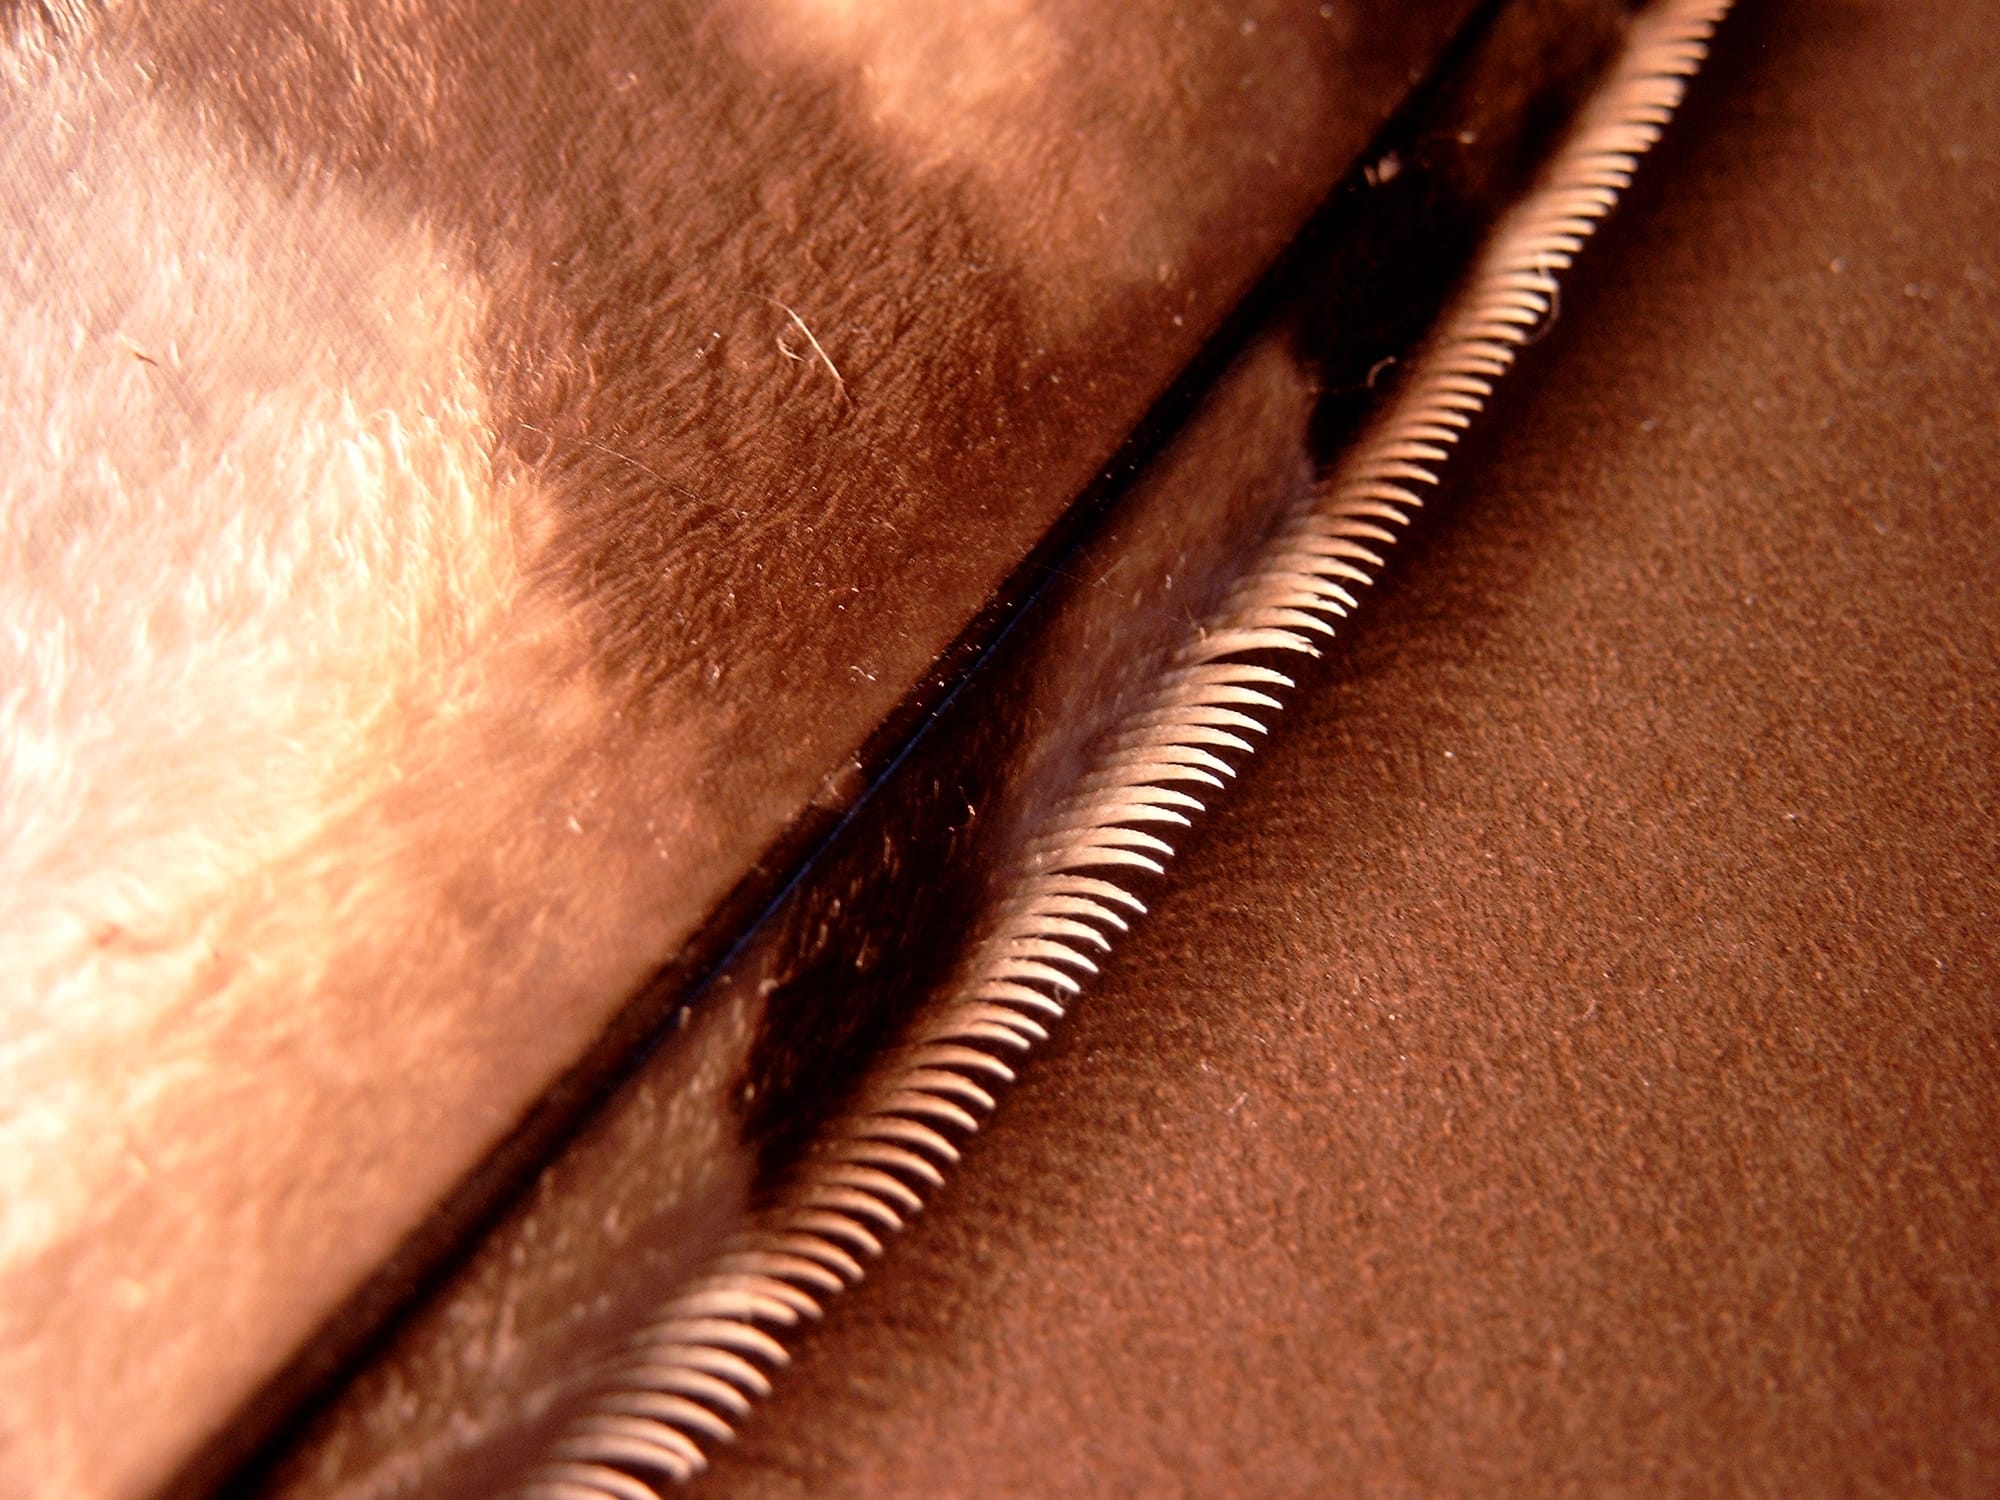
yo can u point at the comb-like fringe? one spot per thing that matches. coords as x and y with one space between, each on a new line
681 1380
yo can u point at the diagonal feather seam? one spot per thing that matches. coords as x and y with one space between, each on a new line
680 1382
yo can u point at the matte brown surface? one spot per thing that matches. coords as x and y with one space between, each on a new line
1569 1065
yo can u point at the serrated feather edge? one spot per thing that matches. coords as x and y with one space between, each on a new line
680 1382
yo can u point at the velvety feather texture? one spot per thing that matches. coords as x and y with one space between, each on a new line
478 475
252 539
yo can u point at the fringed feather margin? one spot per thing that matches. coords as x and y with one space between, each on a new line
679 1383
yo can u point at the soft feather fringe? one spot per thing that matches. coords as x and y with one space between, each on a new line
248 527
680 1382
